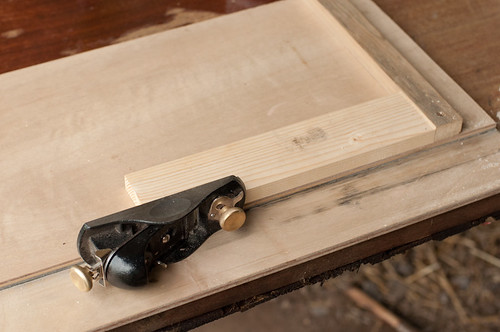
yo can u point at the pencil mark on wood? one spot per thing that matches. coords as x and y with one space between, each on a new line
313 135
299 55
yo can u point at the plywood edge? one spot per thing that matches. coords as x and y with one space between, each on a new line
475 119
295 156
447 121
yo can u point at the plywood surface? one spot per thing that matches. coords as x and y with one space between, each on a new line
73 147
103 114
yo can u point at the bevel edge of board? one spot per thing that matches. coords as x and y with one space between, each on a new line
269 164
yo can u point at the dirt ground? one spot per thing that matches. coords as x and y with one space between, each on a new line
451 285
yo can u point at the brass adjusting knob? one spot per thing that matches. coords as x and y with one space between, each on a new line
81 277
231 218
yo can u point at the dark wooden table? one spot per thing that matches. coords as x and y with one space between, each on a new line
463 37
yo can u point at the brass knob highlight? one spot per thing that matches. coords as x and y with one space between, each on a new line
81 278
232 218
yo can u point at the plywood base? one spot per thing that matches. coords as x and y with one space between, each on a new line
90 119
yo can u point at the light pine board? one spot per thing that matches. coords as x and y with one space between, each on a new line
279 171
290 158
44 109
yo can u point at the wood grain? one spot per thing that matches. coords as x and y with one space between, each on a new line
372 251
435 107
462 37
297 156
345 212
474 118
27 303
165 179
37 31
293 277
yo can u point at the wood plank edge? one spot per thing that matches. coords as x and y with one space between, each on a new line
483 139
422 93
339 176
136 182
395 228
131 191
246 296
401 157
38 274
449 130
285 195
325 175
474 117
